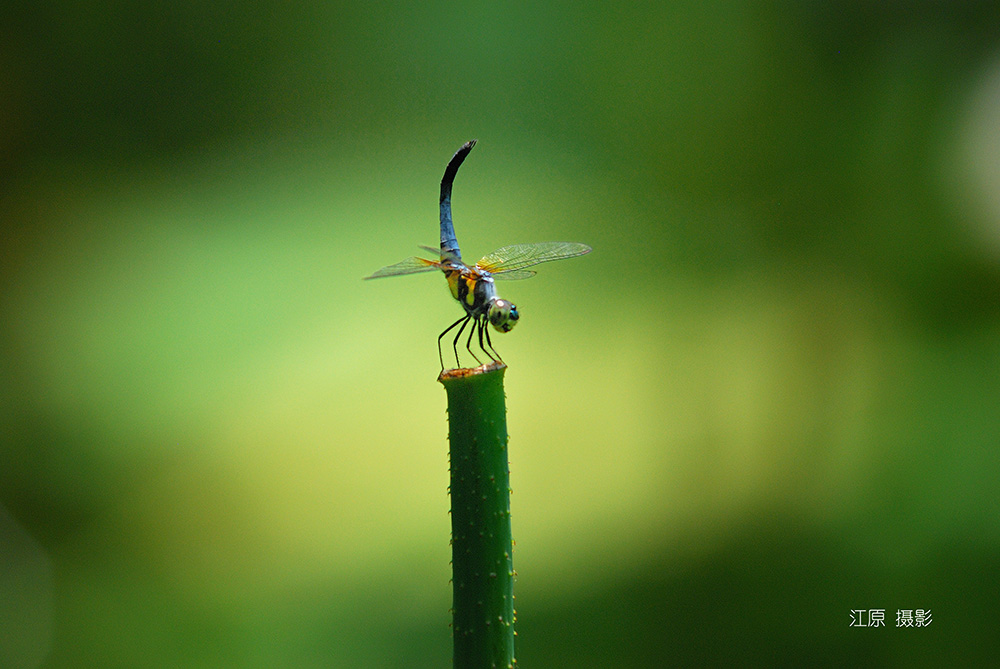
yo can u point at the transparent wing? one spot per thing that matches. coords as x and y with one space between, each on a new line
510 261
452 258
408 266
512 274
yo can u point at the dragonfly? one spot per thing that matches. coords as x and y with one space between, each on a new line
473 287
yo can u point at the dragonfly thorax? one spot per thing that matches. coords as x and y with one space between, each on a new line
476 291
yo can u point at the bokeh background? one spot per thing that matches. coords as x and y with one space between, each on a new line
771 395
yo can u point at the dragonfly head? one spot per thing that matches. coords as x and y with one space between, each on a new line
502 314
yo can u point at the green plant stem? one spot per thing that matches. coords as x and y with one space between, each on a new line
482 569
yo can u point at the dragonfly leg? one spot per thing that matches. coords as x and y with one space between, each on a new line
481 327
468 342
464 319
489 343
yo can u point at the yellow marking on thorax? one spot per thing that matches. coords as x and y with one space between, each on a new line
470 296
453 276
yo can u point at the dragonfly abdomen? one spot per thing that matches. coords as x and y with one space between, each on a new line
449 245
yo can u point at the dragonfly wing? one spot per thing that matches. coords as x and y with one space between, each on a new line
448 256
511 274
511 259
408 266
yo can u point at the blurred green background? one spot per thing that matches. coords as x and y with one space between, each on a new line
768 398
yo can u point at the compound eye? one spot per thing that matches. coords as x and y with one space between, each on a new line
503 315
